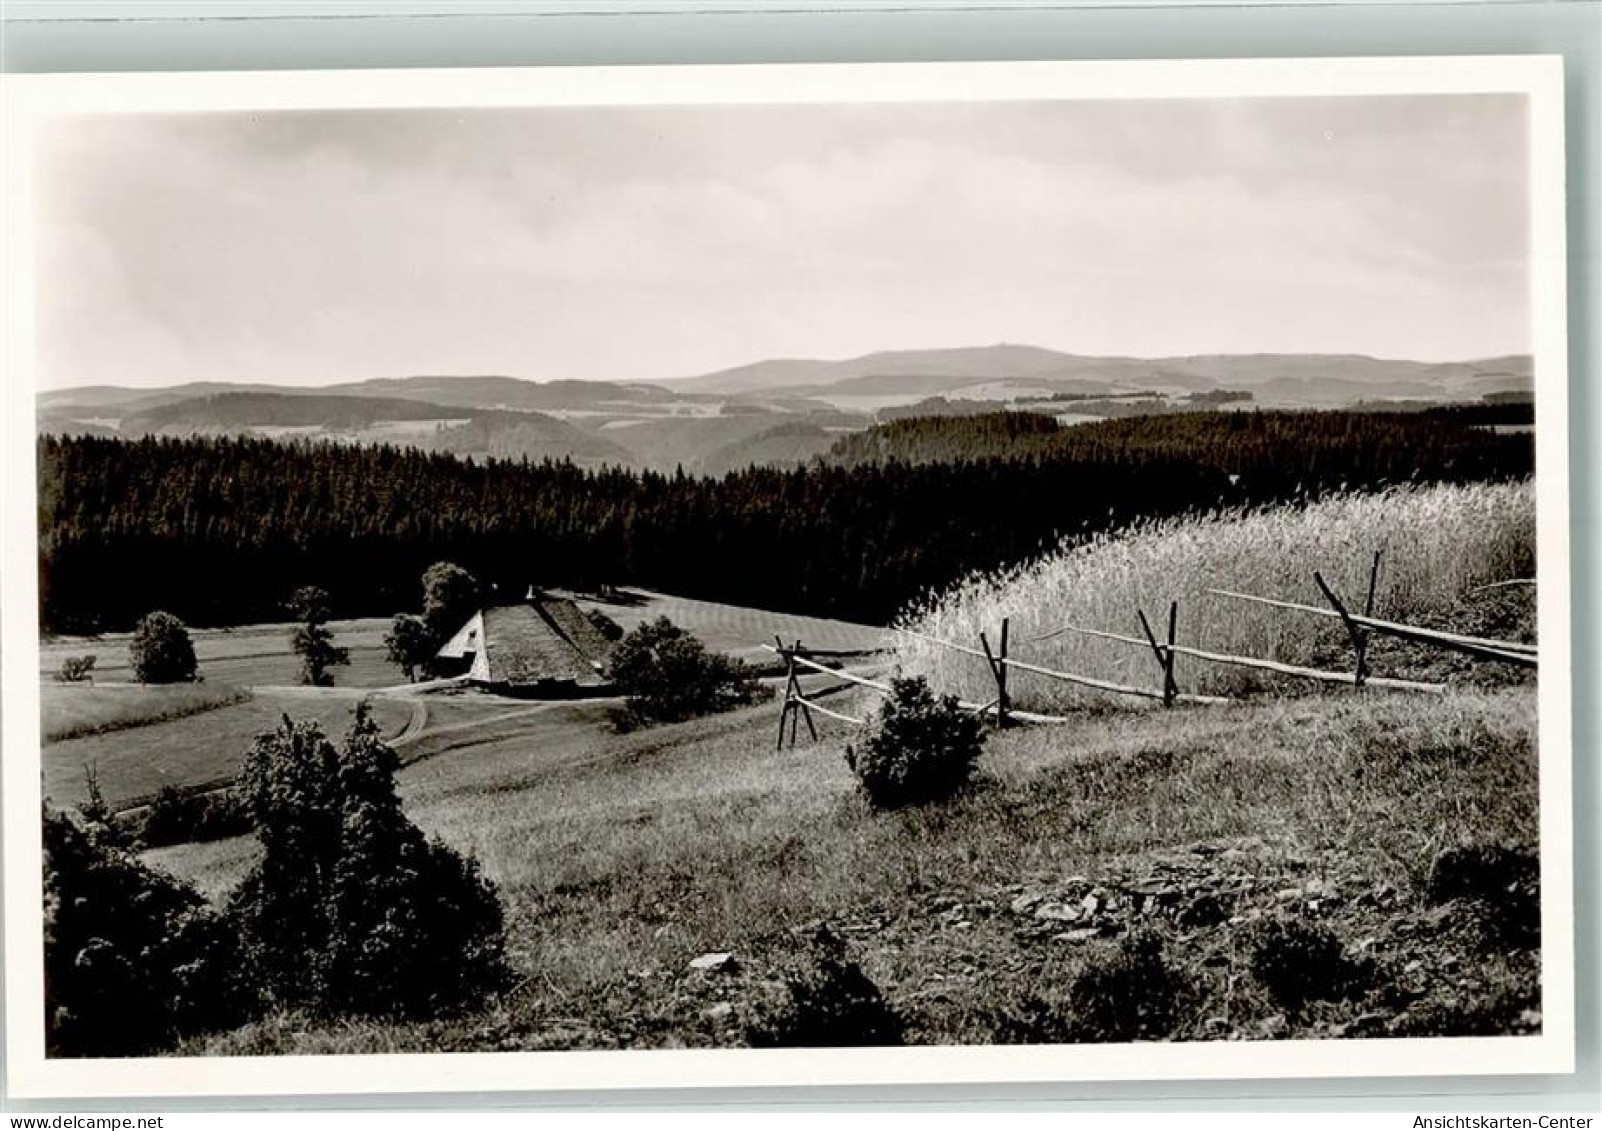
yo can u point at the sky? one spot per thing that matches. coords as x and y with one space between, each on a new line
645 243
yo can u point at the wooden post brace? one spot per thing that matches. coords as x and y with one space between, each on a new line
1357 634
998 669
1165 655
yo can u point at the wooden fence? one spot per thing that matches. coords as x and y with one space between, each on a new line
798 706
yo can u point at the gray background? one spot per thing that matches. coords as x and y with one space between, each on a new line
143 35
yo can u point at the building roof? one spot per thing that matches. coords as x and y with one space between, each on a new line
544 638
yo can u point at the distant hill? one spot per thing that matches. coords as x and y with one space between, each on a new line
509 393
992 372
358 419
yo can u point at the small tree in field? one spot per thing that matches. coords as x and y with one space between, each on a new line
919 748
667 675
450 595
161 651
409 645
311 638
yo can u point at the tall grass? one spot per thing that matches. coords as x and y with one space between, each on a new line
1437 542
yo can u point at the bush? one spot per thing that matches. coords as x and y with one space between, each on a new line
824 1000
1298 962
161 651
666 675
76 669
605 625
416 927
1131 994
177 817
350 907
920 748
134 960
1503 881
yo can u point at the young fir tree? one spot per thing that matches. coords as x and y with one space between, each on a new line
351 908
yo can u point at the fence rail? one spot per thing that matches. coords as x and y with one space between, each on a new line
1508 651
1359 626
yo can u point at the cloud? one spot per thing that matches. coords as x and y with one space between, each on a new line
652 243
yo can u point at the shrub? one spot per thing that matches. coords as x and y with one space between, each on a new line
667 675
416 927
350 907
134 959
920 748
161 651
311 639
177 817
290 785
1504 881
823 1000
1298 962
1131 994
605 625
76 669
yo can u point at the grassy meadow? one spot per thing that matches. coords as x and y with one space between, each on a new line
1437 544
246 655
621 858
79 710
193 750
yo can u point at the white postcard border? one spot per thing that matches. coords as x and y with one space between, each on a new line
29 100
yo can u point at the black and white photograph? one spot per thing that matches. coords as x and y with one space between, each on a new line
1036 562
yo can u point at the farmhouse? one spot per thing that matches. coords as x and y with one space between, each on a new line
544 646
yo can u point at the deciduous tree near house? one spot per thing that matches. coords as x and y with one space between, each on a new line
409 645
311 638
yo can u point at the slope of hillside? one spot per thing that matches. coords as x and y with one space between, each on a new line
619 859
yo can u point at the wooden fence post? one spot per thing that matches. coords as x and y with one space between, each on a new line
790 686
1358 635
802 709
1172 687
998 670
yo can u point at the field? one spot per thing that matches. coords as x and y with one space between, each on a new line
245 656
78 710
1438 544
621 858
196 750
734 629
141 738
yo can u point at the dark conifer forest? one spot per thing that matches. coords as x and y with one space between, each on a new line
222 530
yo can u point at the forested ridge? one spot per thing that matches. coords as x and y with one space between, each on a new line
221 530
1377 445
